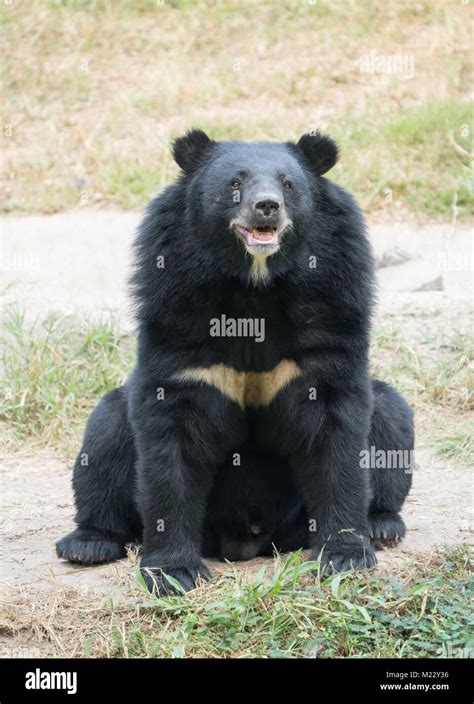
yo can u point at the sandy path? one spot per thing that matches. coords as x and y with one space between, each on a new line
78 262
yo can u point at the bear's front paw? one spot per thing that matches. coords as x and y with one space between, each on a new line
157 582
339 556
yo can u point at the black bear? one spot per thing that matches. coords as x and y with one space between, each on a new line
250 419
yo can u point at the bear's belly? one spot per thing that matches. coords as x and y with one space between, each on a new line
254 389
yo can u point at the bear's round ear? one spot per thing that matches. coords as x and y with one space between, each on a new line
320 152
189 150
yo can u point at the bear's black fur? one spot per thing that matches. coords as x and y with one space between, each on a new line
227 445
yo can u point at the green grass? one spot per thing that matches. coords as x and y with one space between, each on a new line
426 172
53 373
130 185
107 129
424 612
432 371
457 446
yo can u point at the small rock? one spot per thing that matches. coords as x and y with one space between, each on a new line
392 257
434 285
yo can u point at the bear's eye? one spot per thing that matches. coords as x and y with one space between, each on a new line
287 185
235 183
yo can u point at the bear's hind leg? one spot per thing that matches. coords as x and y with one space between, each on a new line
392 431
89 546
104 479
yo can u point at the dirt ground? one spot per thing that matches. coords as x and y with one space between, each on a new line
64 264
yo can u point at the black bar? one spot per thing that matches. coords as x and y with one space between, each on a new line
391 680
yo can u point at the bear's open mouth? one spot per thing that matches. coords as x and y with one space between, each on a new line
263 235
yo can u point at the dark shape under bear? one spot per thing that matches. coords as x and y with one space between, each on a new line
250 419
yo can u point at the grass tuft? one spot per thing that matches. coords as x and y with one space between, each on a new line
457 446
434 372
53 373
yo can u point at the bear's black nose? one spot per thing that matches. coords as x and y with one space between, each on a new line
267 205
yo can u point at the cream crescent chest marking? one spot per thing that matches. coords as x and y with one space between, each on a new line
245 388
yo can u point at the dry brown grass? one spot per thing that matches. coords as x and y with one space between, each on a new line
96 90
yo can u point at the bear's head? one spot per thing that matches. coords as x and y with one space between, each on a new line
252 198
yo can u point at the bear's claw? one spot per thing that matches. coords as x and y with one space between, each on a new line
386 529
